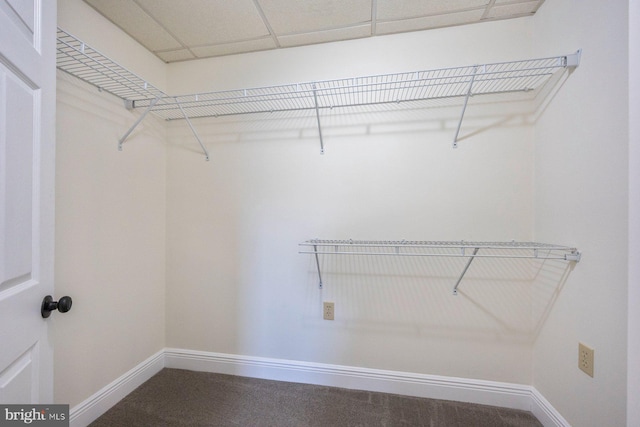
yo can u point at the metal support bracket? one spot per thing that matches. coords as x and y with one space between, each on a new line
455 288
315 250
206 153
573 256
141 118
573 60
315 99
464 107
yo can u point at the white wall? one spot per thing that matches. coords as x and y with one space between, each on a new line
110 233
581 198
235 282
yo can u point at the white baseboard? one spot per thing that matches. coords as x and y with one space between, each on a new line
91 408
545 412
506 395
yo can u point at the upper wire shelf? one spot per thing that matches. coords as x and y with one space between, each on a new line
456 249
505 77
86 63
82 61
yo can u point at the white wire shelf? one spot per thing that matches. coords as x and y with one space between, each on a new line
456 249
519 76
82 61
89 65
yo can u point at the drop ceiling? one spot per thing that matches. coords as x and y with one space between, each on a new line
181 30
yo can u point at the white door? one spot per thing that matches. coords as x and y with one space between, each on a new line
27 142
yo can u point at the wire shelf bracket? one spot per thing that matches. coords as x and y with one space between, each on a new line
466 267
464 107
455 249
137 122
193 130
315 101
80 60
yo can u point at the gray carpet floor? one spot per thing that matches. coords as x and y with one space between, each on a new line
176 397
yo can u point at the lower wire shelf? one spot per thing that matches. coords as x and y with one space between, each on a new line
458 249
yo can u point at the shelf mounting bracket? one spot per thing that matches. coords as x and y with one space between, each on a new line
464 107
315 100
573 256
184 114
572 60
141 118
475 252
315 250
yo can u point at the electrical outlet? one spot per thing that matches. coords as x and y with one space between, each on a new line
328 310
585 359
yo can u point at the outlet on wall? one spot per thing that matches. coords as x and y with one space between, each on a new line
328 310
585 359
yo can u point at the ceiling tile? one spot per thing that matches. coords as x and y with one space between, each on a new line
134 21
512 10
325 36
286 16
175 55
233 48
427 22
178 30
207 22
389 10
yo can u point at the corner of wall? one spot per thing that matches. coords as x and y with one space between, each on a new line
581 194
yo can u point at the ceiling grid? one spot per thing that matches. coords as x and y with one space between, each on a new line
192 29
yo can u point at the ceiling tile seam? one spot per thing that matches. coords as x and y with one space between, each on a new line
487 10
266 22
176 38
514 2
217 44
538 6
326 29
534 10
374 16
510 16
433 15
220 55
133 36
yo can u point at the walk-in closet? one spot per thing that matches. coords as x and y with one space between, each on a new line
382 196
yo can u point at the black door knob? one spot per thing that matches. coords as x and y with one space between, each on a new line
49 305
